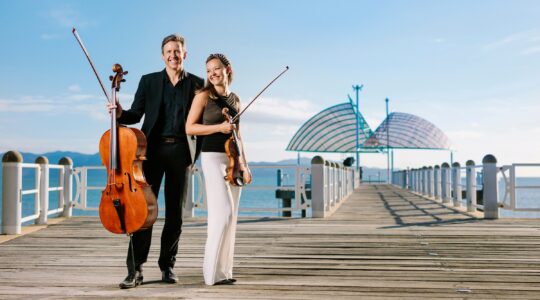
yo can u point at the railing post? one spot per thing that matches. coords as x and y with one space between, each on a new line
456 175
406 178
318 193
423 190
491 188
11 192
417 180
188 211
437 182
430 181
445 183
67 191
43 193
471 186
409 179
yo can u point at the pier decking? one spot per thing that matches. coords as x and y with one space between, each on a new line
382 243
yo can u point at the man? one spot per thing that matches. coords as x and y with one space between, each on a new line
164 98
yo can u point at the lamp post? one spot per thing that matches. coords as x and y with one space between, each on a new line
387 144
357 88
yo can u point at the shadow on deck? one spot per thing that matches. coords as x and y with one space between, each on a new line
382 243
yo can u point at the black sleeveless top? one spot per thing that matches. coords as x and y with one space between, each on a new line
212 115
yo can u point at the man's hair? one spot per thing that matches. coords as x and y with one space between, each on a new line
173 38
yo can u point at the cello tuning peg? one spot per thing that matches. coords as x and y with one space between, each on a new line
123 80
110 78
125 72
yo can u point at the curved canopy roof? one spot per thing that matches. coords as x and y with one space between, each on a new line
331 130
406 131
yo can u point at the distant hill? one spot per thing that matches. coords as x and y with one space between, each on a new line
79 159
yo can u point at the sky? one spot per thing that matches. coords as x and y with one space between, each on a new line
472 68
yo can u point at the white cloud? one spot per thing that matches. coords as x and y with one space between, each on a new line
531 50
464 134
66 17
526 40
26 104
92 105
83 97
49 36
74 88
278 111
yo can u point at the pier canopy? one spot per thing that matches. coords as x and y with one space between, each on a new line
332 130
405 131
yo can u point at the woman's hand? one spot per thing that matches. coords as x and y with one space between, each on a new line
226 127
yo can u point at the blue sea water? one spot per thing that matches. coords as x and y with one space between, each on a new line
526 197
250 198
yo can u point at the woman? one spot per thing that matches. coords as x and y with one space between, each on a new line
222 198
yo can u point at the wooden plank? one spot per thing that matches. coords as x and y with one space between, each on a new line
382 243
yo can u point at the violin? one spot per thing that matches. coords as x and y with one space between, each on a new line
237 173
127 203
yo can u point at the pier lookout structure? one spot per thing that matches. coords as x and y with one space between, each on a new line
343 129
379 241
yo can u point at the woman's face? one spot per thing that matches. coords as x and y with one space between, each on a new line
216 72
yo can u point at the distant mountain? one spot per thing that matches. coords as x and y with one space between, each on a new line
304 161
79 159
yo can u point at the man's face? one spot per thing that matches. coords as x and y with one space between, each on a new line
174 55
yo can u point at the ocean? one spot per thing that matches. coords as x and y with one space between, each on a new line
253 196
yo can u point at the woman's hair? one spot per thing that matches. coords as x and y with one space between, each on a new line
209 86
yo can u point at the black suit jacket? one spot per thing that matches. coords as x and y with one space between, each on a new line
148 100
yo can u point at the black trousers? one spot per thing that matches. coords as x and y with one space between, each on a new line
171 160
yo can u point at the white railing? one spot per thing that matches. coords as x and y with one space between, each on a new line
508 174
13 192
301 179
337 182
331 183
196 195
444 183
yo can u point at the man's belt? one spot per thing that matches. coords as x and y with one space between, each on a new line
172 139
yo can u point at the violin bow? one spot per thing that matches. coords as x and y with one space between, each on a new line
251 102
91 64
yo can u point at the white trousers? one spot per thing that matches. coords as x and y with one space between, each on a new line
222 205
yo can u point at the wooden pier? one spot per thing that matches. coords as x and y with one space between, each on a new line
382 243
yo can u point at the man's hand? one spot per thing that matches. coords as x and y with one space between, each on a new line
118 107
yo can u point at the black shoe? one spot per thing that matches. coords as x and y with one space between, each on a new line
168 276
132 280
225 281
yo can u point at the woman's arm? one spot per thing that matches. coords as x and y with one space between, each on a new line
193 126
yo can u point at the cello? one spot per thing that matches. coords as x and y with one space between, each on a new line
127 203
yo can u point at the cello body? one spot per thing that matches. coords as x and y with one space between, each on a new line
127 202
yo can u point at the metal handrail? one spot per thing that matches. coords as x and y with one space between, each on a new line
199 200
